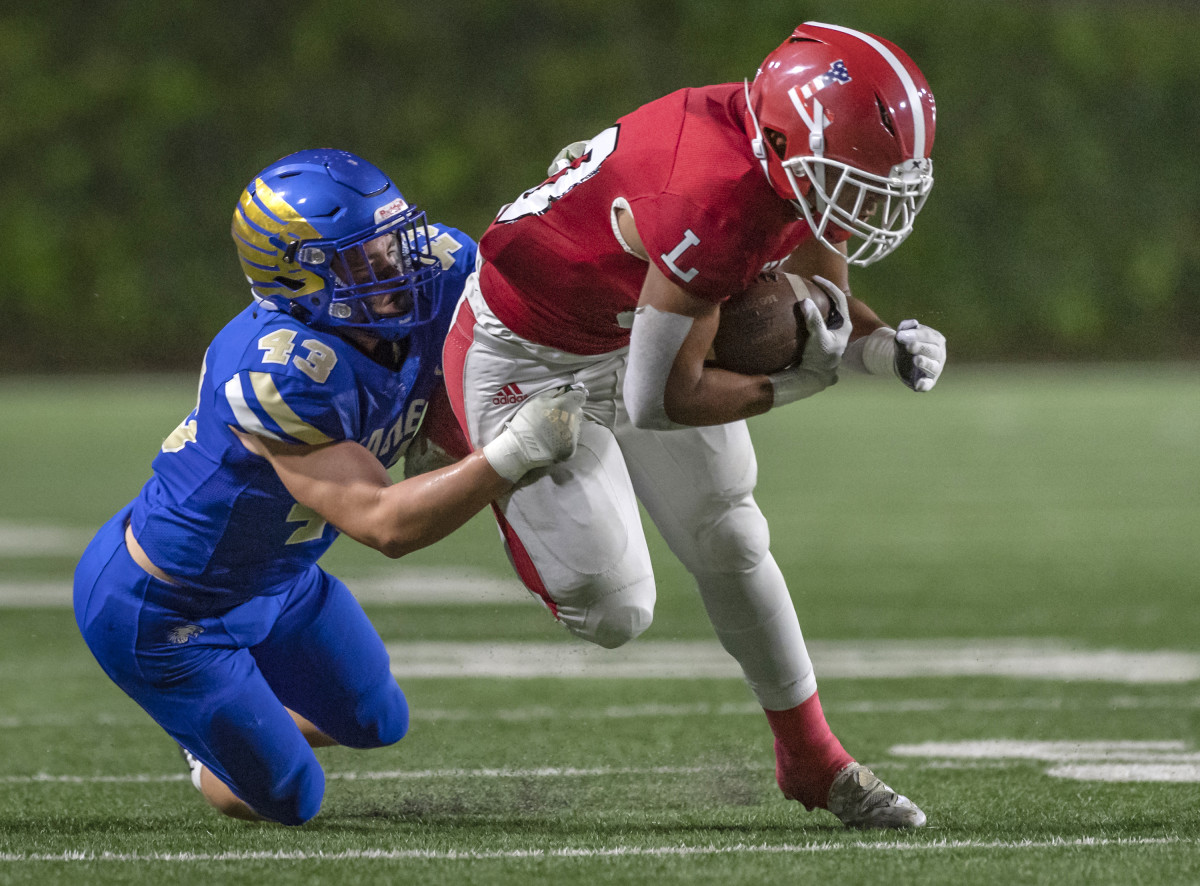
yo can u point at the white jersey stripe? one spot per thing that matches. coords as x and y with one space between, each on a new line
246 418
914 96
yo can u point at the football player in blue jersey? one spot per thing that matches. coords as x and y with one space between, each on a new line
202 598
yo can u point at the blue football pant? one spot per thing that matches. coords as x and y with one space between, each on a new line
219 685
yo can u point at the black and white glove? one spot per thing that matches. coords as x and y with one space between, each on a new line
542 432
920 355
822 352
915 354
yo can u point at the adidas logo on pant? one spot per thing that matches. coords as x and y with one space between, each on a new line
509 395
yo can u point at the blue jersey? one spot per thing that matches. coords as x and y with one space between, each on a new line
216 517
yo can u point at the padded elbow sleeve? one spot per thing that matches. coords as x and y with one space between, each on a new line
654 343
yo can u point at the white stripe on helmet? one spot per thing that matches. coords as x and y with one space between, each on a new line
914 96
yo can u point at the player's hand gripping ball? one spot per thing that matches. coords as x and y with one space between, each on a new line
762 330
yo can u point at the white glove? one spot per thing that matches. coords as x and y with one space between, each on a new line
920 355
543 431
823 350
826 342
567 156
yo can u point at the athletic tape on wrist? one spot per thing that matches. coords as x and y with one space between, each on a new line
506 457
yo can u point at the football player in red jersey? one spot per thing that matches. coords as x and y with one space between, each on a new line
612 272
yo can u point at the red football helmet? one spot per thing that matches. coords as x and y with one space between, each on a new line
843 123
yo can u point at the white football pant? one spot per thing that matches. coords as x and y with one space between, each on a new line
574 532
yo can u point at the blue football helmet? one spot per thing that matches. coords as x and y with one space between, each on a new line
327 237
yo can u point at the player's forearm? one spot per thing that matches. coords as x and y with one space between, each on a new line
716 396
421 510
667 384
349 488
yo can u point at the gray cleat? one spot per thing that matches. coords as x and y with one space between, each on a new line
861 800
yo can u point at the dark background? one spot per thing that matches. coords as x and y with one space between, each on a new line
1063 226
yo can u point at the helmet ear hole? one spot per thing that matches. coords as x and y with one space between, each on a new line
885 116
289 283
777 140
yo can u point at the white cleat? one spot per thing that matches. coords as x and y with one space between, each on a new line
195 767
861 800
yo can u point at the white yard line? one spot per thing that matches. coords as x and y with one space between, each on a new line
535 713
32 540
448 586
35 595
915 845
395 774
1013 658
1109 761
1174 773
1049 751
1125 761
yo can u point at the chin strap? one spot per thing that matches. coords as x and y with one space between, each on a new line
756 143
759 147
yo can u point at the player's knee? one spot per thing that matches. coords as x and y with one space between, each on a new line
736 538
614 619
381 719
293 799
617 625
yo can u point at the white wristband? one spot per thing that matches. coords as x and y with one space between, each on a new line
874 354
505 456
543 431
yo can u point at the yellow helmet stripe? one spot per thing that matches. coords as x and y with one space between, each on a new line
272 403
289 219
255 225
249 233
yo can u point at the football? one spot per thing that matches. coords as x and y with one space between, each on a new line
762 329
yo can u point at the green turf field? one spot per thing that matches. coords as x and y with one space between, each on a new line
998 585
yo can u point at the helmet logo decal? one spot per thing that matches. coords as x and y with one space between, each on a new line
817 121
910 87
394 208
837 73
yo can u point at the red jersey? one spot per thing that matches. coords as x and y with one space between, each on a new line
557 274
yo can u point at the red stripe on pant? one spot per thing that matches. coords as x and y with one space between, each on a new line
522 562
454 358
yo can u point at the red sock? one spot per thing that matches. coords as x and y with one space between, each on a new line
807 754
